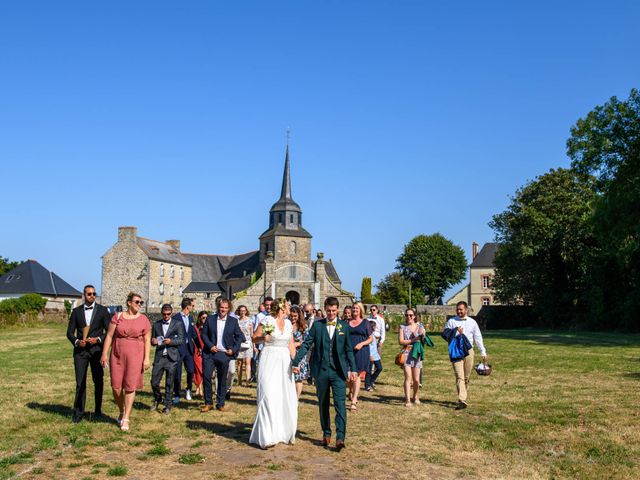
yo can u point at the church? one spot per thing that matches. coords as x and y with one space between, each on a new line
282 267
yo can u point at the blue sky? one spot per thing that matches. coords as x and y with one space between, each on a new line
406 117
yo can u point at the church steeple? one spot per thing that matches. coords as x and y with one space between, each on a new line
286 211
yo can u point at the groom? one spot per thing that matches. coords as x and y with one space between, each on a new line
331 359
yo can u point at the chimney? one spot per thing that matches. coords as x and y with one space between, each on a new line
474 250
174 243
127 234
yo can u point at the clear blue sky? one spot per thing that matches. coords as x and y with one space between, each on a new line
406 117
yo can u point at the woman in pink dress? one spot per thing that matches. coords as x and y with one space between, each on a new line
130 333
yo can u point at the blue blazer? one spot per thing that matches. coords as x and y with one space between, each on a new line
232 335
190 336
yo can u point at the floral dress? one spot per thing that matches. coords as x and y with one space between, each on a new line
247 328
304 363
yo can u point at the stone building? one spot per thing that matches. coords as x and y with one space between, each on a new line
478 292
281 267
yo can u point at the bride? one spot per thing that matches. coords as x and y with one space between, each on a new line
277 415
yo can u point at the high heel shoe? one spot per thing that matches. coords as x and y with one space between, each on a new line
125 425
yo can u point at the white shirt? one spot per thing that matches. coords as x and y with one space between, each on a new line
471 330
257 320
331 329
88 312
165 329
380 327
220 326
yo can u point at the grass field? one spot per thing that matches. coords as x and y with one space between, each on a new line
558 405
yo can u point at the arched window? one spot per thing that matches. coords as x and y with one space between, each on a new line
172 290
292 247
161 289
181 273
171 271
162 269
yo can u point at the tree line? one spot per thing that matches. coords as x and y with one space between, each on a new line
569 241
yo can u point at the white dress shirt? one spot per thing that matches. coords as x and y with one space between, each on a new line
470 329
331 329
88 312
220 328
165 329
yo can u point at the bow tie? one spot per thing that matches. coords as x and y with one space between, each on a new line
331 324
166 323
89 308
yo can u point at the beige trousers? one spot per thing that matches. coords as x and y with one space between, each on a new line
462 370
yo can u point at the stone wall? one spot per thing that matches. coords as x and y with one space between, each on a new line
172 284
124 269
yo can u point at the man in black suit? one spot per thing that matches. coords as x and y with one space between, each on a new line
186 350
222 337
167 336
87 327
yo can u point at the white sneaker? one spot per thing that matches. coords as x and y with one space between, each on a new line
187 395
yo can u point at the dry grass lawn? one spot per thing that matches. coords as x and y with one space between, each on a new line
558 405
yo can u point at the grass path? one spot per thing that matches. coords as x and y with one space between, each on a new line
558 405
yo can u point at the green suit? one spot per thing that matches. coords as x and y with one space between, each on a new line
331 359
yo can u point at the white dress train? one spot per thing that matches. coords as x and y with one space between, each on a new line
277 413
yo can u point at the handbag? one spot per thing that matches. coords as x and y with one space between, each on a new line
401 358
245 345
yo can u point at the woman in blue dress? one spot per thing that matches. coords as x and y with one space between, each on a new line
299 335
361 337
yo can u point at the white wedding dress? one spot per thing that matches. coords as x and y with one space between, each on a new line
277 414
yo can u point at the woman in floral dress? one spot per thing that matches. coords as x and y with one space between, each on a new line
299 334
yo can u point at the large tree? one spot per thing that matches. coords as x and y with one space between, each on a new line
544 236
396 289
606 143
433 264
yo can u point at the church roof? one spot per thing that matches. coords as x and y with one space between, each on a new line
485 257
331 272
203 287
218 268
31 277
280 229
162 251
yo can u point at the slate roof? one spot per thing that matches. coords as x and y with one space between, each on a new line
331 272
280 229
218 268
485 257
161 251
203 287
31 277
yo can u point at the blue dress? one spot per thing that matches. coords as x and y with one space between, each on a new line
304 364
360 334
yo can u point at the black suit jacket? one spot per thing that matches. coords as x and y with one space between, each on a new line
100 319
232 335
190 338
175 332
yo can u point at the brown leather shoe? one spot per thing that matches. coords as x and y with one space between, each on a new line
340 445
326 441
206 408
221 409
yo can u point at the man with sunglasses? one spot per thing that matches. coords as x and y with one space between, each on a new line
87 327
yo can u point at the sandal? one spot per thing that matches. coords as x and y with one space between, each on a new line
125 425
408 404
354 406
120 419
416 401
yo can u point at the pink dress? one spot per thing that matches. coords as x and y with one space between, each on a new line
127 352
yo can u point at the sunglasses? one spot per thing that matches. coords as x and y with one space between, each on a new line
90 294
409 315
138 302
166 314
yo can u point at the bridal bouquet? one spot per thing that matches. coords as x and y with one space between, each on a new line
268 328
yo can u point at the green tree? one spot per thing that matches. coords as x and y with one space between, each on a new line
432 264
606 143
395 289
365 291
6 265
543 235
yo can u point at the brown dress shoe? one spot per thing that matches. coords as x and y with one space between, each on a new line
326 441
221 409
340 445
206 408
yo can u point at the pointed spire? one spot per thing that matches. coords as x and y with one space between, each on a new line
285 193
